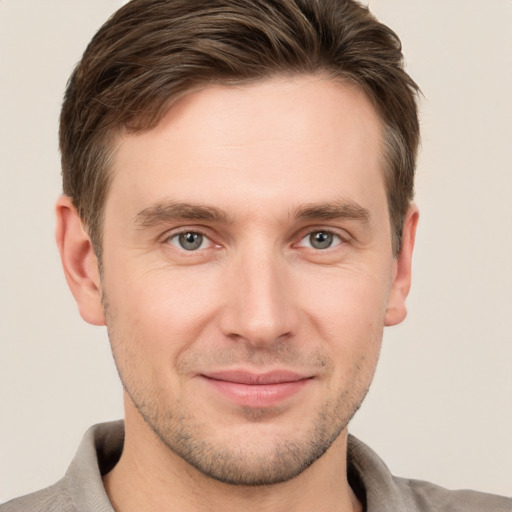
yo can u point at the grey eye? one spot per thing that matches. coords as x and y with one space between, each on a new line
189 240
321 239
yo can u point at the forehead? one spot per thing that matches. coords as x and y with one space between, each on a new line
291 140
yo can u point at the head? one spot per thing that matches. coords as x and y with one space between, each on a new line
243 172
150 53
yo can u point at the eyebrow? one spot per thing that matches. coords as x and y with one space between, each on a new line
336 210
170 211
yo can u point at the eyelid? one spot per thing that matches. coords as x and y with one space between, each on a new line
337 240
171 233
344 236
205 242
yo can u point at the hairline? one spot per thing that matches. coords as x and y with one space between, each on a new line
136 125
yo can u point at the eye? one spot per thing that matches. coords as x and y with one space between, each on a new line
190 241
320 240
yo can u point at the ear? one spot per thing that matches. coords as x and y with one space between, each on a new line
396 310
79 262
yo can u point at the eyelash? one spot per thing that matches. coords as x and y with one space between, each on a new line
333 235
336 240
168 239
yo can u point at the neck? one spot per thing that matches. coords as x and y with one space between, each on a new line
150 477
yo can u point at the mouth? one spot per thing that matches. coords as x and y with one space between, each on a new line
249 389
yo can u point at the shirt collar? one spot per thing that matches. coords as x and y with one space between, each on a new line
371 479
102 445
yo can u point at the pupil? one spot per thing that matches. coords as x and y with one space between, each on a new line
190 241
321 240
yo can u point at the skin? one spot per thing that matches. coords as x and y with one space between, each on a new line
256 172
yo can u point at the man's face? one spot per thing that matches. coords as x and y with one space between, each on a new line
247 273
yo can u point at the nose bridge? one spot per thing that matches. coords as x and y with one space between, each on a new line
258 308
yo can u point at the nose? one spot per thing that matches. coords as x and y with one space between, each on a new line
259 308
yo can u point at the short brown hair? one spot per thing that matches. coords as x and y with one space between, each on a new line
150 52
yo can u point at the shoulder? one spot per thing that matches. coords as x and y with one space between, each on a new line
428 497
81 489
52 499
384 492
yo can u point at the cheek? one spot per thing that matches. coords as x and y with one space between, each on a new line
347 310
346 300
161 308
152 319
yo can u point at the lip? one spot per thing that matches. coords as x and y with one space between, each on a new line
250 389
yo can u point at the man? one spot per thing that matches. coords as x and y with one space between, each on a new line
238 211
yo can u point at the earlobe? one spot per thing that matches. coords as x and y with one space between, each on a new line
396 309
79 262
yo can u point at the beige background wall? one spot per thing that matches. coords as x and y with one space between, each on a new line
441 406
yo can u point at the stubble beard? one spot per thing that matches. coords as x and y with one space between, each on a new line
253 462
250 462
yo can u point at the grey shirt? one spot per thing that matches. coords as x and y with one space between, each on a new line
81 489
